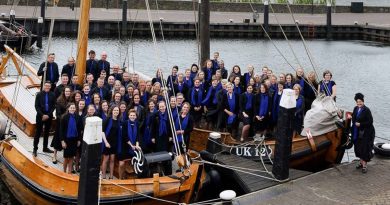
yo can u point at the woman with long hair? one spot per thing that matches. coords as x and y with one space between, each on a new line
195 99
184 125
112 132
71 126
299 110
246 111
96 102
61 105
104 109
262 110
146 142
310 89
289 81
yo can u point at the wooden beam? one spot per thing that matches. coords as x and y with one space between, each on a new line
3 65
82 39
23 62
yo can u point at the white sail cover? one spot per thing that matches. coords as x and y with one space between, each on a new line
321 118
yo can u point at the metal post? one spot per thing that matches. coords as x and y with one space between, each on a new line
124 18
284 134
43 5
39 32
204 30
90 162
266 16
12 17
329 20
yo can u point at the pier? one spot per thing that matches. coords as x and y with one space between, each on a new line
343 184
175 23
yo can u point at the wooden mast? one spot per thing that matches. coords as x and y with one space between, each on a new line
82 39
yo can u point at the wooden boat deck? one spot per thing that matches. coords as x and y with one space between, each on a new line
27 143
250 183
24 112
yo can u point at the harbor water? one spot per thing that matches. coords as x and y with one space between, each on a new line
357 66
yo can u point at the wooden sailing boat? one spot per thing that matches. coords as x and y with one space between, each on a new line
308 152
35 180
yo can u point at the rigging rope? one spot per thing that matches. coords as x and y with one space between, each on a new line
173 87
165 90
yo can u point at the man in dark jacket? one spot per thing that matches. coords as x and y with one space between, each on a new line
91 64
51 69
69 68
103 64
44 105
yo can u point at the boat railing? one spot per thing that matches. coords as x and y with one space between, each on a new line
20 63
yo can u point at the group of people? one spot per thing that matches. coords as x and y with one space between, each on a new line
136 115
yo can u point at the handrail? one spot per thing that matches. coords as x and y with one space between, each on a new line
23 62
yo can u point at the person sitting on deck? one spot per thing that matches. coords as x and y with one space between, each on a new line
44 106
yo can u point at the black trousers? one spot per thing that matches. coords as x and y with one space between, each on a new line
38 132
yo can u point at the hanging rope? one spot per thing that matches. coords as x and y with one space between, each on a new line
165 90
49 42
279 51
293 52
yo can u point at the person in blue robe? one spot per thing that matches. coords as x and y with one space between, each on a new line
210 103
299 110
327 85
195 99
129 141
262 110
231 109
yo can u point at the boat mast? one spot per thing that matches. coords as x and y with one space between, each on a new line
82 39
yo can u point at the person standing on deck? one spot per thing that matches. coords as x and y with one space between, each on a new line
51 69
69 68
172 79
101 90
135 80
262 110
161 134
195 99
215 62
248 75
103 64
246 111
129 141
70 134
310 90
210 103
231 109
363 132
112 132
299 111
91 65
44 106
61 105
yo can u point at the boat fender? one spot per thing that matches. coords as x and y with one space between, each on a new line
208 156
382 149
3 127
227 195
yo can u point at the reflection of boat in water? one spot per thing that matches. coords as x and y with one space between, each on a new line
321 150
15 36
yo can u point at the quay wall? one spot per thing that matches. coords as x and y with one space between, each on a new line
214 6
220 30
